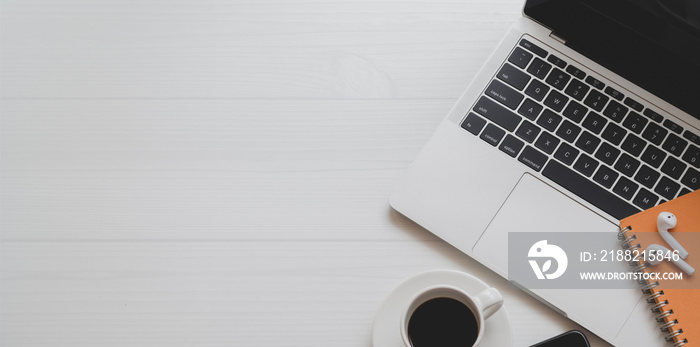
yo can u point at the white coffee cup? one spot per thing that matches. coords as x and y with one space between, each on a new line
482 306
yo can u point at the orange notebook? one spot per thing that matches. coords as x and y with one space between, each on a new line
676 303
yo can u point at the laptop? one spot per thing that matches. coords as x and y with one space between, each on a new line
587 112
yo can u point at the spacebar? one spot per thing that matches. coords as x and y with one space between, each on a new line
588 190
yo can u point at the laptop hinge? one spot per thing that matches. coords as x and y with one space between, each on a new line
557 37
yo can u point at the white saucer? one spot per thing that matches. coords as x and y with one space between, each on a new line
385 332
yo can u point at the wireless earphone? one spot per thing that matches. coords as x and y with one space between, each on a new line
661 253
665 221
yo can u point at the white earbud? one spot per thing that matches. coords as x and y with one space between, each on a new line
660 253
665 221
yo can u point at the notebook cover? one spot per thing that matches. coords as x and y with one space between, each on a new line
684 297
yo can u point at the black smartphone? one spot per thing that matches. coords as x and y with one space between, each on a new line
573 338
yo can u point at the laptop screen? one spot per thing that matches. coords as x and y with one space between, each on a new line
652 43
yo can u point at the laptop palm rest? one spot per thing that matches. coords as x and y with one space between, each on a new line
535 206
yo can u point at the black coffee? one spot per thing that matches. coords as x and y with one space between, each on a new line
443 322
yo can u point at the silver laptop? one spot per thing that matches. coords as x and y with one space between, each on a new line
587 112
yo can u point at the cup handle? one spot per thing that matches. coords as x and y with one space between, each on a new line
488 301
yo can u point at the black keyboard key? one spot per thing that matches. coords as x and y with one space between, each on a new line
634 104
692 156
627 165
511 145
473 123
616 94
607 153
537 90
595 82
596 100
645 199
520 57
588 190
533 48
566 154
673 168
586 165
492 134
539 68
667 188
588 142
692 137
676 128
576 72
594 122
577 90
497 113
625 188
654 133
556 100
614 134
511 75
504 94
674 144
549 120
647 176
528 131
558 79
568 131
635 122
556 61
615 111
530 109
547 142
605 176
653 156
691 179
633 145
684 191
533 158
653 115
575 111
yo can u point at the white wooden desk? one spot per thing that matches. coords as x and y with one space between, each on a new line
216 173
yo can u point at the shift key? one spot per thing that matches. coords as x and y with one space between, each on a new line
497 113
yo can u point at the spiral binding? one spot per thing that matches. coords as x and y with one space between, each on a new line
654 298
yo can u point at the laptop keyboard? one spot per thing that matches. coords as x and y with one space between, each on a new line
604 146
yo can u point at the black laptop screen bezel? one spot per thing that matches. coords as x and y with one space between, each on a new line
649 42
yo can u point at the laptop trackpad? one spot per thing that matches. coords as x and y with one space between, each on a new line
535 206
